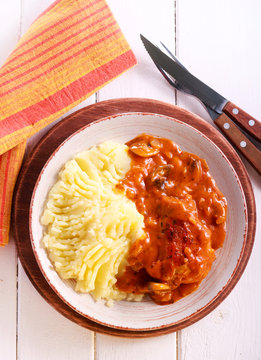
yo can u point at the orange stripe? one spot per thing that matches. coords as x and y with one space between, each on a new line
53 47
4 195
62 10
55 24
88 61
77 90
63 61
61 5
12 140
64 75
53 36
15 162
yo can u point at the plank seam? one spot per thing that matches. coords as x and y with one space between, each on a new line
94 356
20 31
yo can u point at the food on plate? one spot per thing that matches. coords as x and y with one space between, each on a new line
184 215
128 220
90 223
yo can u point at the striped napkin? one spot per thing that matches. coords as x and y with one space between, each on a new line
71 50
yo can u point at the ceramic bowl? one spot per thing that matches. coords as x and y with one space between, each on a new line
146 315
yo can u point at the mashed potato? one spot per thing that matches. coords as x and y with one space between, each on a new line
90 225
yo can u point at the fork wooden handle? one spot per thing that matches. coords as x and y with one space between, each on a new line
240 141
244 120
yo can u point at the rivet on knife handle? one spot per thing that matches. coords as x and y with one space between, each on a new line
240 141
244 120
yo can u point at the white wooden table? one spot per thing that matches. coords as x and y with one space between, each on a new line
219 40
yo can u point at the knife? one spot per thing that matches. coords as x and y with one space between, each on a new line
223 112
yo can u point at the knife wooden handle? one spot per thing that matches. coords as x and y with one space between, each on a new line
244 120
240 141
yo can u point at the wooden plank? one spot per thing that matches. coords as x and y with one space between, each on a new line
46 334
8 301
155 22
108 347
216 41
9 24
221 48
42 332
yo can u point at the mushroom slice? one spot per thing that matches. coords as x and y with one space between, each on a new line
154 286
144 149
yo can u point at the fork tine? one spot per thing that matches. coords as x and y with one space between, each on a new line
166 76
173 56
173 82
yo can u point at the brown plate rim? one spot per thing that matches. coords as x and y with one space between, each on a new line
34 246
60 132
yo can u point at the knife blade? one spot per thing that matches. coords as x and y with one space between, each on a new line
197 88
209 97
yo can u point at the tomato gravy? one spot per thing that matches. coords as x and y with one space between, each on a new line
184 215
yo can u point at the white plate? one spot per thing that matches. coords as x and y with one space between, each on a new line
145 315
